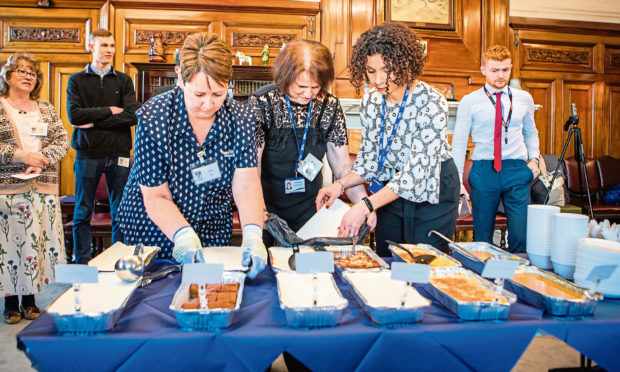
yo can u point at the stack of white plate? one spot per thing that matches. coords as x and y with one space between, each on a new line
568 228
595 252
539 224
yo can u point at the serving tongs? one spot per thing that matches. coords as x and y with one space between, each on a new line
454 244
151 277
424 259
319 244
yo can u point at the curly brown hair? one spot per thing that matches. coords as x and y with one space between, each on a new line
398 45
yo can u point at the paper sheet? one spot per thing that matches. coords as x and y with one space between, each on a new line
25 177
325 222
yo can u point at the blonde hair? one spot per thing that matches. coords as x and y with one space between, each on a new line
11 66
496 53
206 52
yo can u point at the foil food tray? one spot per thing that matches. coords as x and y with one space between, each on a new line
428 247
554 305
206 319
388 315
68 320
471 310
475 264
348 249
315 316
278 257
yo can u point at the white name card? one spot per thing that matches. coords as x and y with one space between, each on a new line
412 273
76 274
504 269
202 273
601 272
314 262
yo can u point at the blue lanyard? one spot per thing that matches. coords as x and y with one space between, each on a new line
383 151
300 149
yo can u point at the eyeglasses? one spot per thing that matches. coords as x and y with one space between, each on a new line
23 74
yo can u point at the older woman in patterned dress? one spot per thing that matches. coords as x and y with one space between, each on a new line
32 141
404 155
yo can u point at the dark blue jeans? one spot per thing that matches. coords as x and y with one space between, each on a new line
87 175
487 186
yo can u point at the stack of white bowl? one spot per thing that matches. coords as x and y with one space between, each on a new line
539 225
568 228
596 252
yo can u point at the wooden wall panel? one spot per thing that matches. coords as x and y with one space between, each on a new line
582 95
49 30
60 73
582 60
542 93
611 121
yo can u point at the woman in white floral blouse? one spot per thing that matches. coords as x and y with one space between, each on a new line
32 142
404 154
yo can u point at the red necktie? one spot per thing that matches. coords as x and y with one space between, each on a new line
497 139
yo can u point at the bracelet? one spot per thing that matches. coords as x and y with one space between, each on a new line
368 204
341 186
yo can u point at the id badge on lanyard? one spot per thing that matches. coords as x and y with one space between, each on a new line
309 167
375 184
205 170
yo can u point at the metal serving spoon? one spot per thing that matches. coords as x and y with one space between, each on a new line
130 268
421 259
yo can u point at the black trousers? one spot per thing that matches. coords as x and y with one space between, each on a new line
403 221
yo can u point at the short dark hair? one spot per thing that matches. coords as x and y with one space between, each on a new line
206 52
100 32
303 55
12 64
400 48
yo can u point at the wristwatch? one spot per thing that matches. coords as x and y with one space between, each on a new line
368 204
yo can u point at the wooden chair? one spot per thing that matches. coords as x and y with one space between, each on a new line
467 223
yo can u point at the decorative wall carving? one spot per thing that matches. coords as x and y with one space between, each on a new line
49 34
259 40
167 37
559 56
614 59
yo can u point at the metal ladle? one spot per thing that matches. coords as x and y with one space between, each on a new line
130 268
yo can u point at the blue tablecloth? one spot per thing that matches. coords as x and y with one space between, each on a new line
147 338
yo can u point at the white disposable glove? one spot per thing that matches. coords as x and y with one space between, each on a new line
254 252
186 244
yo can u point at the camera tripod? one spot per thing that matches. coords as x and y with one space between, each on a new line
580 159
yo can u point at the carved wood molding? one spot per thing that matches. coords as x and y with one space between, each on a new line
168 37
614 59
242 39
44 34
558 56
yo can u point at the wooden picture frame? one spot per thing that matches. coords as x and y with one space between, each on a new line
435 15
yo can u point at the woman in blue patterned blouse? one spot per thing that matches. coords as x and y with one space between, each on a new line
194 151
404 154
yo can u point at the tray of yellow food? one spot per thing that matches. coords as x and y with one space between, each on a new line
441 259
468 295
475 255
384 300
222 302
549 292
310 300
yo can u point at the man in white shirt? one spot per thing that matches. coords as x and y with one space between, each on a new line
506 149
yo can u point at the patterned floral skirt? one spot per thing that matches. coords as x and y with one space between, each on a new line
31 242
